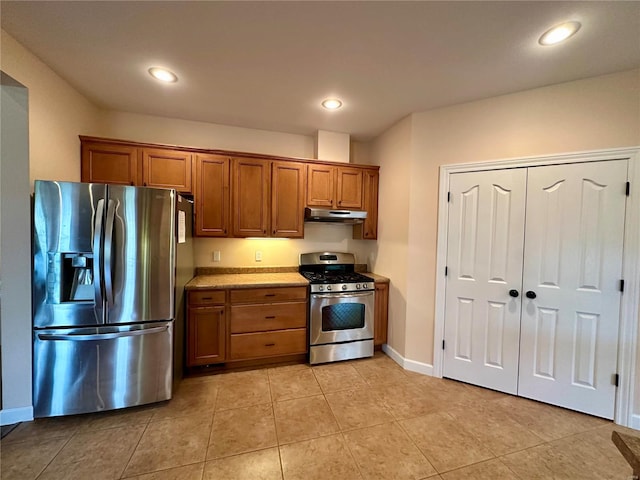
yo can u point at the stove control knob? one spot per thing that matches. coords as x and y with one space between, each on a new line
357 286
328 287
321 288
344 287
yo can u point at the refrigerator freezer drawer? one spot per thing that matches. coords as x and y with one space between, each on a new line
81 370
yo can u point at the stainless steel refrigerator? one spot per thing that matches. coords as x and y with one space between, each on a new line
104 285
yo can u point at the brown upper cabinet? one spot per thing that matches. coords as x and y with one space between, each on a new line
116 162
166 168
369 229
334 187
288 182
238 194
103 162
268 198
250 187
212 195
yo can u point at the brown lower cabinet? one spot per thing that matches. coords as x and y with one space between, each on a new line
206 328
246 324
381 318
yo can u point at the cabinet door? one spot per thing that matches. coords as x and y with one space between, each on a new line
251 187
288 183
349 188
206 336
212 195
369 229
381 317
166 168
321 185
108 163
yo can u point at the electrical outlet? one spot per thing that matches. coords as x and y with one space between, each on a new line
216 256
258 256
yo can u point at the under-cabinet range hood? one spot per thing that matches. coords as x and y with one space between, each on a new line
349 217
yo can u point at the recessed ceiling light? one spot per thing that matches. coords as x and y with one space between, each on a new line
559 33
163 74
331 103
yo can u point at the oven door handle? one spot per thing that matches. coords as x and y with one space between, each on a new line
342 295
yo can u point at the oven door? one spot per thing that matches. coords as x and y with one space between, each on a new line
341 317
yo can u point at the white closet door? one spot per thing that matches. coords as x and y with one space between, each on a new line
484 261
573 264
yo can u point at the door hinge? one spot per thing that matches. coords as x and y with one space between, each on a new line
443 344
628 189
446 271
615 379
622 285
448 197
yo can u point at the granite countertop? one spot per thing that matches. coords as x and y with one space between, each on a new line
241 277
376 277
247 280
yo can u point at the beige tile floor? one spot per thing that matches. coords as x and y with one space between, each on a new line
364 419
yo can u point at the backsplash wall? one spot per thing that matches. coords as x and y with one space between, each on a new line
240 252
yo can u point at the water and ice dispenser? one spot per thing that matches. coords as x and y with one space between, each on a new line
70 277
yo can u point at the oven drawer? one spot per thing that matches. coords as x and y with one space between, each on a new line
207 297
266 344
268 295
260 318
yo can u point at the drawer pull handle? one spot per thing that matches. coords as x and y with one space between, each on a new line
270 317
269 294
269 344
207 298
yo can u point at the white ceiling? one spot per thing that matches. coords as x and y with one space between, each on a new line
268 64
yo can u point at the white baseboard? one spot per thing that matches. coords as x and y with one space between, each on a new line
635 422
407 364
16 415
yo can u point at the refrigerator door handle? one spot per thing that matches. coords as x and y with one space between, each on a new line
97 256
108 249
101 336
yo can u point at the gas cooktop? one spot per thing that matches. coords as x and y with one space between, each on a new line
333 272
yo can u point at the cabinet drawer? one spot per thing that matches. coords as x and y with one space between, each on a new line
260 318
268 295
207 297
267 344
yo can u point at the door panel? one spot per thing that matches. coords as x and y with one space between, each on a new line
66 256
142 253
573 263
83 370
484 260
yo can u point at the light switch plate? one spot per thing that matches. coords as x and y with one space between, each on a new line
258 256
216 256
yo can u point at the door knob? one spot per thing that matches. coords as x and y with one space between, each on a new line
513 293
531 294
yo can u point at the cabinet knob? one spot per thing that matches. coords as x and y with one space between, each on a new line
144 184
264 231
132 184
274 232
225 231
366 234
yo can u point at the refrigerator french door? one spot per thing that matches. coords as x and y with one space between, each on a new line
103 296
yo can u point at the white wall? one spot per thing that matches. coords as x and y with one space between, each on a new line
596 113
392 151
57 114
15 311
146 128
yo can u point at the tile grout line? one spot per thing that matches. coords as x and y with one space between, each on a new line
54 457
133 450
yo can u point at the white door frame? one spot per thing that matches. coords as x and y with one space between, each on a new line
630 303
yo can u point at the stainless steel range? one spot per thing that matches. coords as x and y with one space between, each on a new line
341 307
